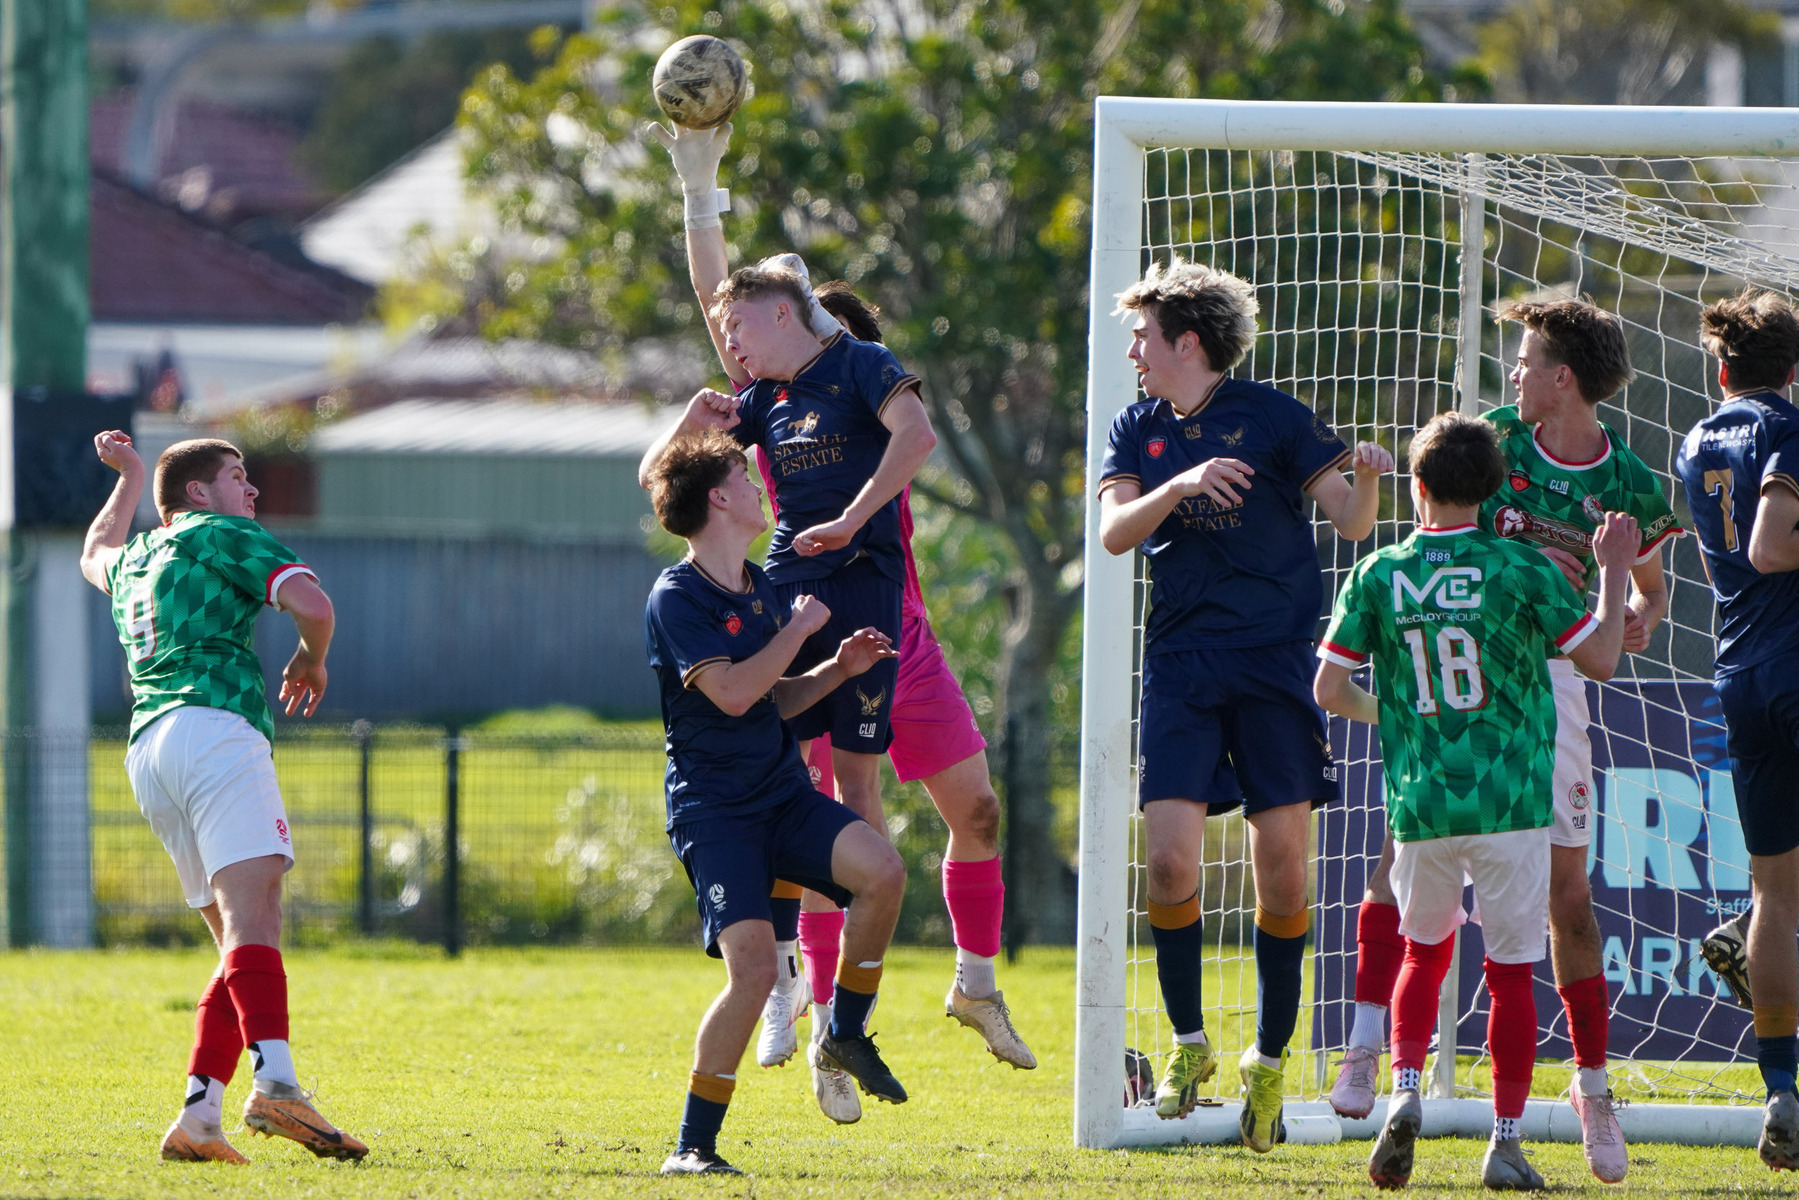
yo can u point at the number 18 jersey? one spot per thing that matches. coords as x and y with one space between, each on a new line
185 599
1460 625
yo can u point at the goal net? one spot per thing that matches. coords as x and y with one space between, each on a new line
1380 240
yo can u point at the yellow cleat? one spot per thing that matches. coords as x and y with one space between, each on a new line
293 1117
1191 1064
1260 1123
178 1145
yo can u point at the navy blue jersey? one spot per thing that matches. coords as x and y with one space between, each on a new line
1228 578
1728 459
822 438
718 764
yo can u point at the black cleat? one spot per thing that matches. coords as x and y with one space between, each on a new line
697 1162
858 1057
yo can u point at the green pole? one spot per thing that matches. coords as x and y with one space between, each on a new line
43 336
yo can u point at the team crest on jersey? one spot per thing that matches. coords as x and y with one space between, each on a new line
1155 446
780 395
1595 511
1580 795
733 624
1520 481
871 705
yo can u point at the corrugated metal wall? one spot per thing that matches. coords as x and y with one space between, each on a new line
440 626
592 497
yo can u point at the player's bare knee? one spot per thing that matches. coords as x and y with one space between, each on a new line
1170 873
981 822
754 977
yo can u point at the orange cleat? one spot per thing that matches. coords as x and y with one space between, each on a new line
178 1145
293 1117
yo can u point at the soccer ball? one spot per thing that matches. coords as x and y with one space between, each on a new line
699 82
1139 1078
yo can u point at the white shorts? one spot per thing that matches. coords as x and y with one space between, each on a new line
1573 779
1511 890
205 780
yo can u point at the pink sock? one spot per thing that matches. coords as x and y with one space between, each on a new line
820 935
976 898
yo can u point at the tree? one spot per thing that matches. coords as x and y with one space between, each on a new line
939 156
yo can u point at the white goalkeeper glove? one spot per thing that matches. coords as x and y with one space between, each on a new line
697 153
822 322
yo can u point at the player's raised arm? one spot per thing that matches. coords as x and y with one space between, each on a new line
707 410
907 451
113 524
697 153
303 679
1351 509
1774 540
1615 546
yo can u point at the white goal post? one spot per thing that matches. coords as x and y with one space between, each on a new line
1379 237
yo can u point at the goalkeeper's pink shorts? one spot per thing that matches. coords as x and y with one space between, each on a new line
933 727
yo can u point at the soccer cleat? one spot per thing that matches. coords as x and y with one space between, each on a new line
697 1162
1358 1082
1779 1142
780 1022
1191 1064
1505 1169
1390 1166
293 1117
178 1145
1726 952
858 1056
1260 1123
990 1018
835 1090
1600 1137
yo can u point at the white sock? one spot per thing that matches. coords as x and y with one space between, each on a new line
1268 1061
974 975
274 1062
821 1020
1593 1081
1506 1127
787 957
203 1108
1196 1038
1370 1028
1405 1079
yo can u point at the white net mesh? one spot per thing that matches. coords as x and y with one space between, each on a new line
1357 261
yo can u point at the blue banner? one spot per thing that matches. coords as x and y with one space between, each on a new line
1666 862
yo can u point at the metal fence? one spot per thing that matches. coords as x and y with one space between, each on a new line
409 832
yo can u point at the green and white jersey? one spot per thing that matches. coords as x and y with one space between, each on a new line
1547 502
1460 626
185 599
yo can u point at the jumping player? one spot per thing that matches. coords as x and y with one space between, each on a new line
1210 476
1740 469
1459 625
185 598
1564 471
742 809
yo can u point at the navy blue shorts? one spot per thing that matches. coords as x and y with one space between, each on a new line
1234 727
858 714
1761 725
733 861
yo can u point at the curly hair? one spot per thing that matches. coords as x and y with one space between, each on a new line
1755 335
1457 459
1582 337
197 460
682 480
762 282
1213 305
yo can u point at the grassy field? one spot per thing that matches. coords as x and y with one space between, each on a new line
560 1072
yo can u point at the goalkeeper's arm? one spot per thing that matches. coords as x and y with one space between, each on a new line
697 153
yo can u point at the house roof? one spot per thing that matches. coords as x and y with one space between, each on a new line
498 427
151 262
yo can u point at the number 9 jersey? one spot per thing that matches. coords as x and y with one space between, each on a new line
185 599
1460 626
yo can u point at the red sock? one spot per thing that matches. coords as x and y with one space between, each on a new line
1511 1035
1380 951
258 986
976 897
218 1038
821 933
1415 999
1589 1008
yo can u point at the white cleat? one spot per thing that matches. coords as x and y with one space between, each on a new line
989 1017
1505 1169
835 1090
780 1038
1600 1138
1358 1082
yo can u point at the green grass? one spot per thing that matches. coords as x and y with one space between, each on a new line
560 1072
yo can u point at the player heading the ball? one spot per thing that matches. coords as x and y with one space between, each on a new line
185 597
742 811
1210 475
1740 469
1459 625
